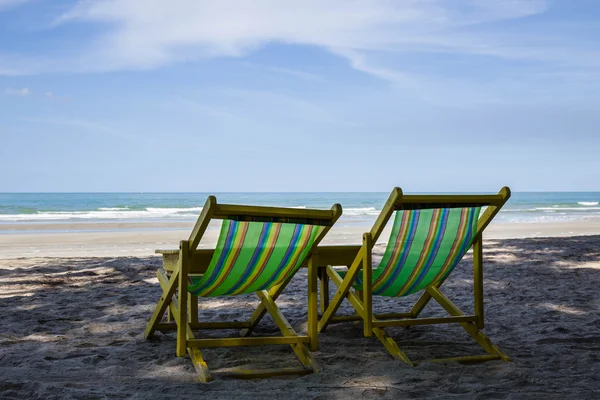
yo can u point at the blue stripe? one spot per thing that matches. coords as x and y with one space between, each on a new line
436 248
467 243
406 250
286 258
206 282
255 256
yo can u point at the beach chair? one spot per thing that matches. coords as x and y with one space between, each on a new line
258 251
430 235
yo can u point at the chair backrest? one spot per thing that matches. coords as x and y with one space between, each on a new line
430 235
259 247
424 246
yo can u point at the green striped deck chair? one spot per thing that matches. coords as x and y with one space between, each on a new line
429 236
259 250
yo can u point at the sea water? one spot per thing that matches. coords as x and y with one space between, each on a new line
359 208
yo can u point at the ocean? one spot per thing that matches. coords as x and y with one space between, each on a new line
359 208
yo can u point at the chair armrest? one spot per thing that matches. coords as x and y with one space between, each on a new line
170 251
169 259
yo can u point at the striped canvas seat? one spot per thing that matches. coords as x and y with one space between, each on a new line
252 256
430 235
424 247
259 251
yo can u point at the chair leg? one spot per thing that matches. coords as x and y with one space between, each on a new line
471 328
192 308
286 329
431 293
344 286
313 319
391 346
163 303
324 290
200 365
260 311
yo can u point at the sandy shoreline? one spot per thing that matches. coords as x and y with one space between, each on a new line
72 328
141 239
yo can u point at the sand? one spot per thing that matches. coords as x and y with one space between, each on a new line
72 328
113 239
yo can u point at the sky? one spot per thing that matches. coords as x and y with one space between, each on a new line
299 95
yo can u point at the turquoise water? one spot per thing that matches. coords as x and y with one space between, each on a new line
359 208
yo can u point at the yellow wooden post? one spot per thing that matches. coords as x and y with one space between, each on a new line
313 323
202 222
181 317
478 280
324 290
367 295
193 308
386 213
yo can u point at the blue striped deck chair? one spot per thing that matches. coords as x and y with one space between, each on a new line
429 236
259 250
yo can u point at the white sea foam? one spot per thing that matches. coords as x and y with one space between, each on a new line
107 213
361 211
113 208
567 208
588 203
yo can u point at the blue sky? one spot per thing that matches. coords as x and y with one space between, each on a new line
274 95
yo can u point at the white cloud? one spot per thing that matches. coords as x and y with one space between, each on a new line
4 4
286 71
17 92
152 33
82 125
378 37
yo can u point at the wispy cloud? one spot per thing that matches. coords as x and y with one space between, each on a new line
5 4
82 125
286 71
381 38
152 33
196 106
17 92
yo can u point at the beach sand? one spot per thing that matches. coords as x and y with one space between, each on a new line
140 239
72 328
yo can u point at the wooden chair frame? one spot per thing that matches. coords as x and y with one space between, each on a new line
182 307
362 300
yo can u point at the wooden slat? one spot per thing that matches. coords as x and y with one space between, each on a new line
384 215
313 300
464 359
202 222
424 321
275 214
206 325
264 373
247 341
367 274
415 201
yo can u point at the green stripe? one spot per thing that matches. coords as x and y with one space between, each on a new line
257 256
424 247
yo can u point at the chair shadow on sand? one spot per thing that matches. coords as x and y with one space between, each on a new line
73 328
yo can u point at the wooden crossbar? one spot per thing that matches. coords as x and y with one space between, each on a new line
415 201
263 373
348 318
247 341
463 359
424 321
206 325
276 214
